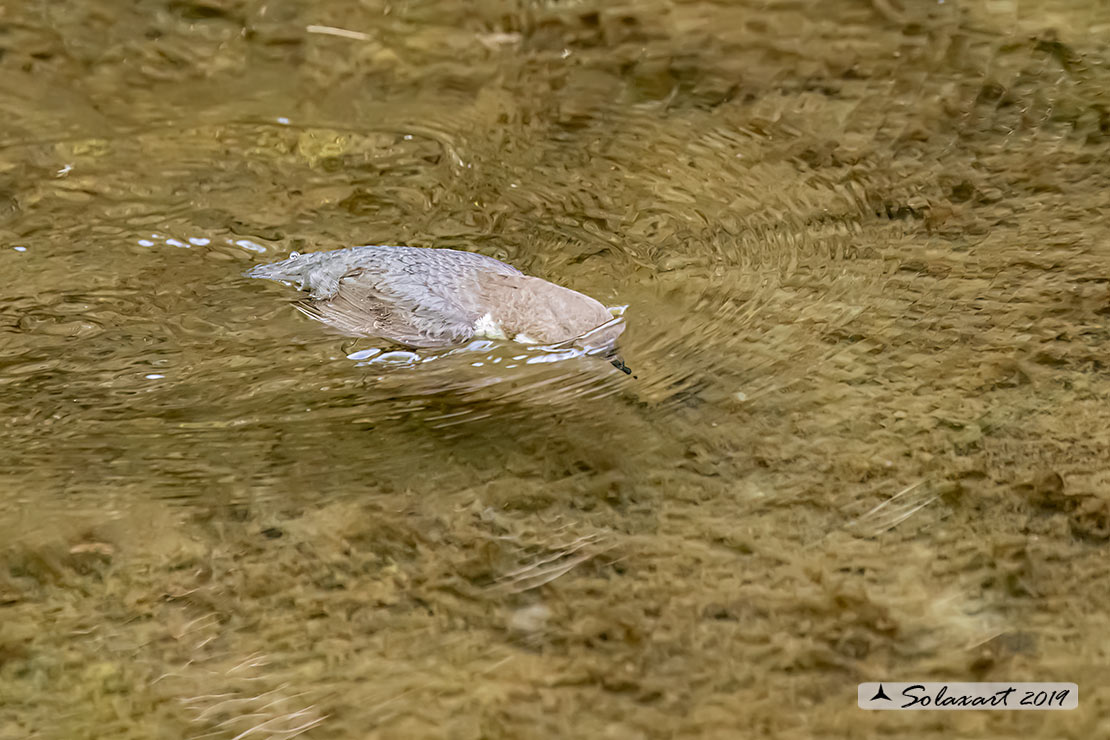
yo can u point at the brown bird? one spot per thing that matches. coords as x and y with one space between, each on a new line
433 298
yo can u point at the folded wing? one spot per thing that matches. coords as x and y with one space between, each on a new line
367 305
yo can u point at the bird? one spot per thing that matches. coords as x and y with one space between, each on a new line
432 298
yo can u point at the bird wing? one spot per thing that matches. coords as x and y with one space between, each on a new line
367 305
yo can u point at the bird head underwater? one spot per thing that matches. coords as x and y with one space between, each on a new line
426 298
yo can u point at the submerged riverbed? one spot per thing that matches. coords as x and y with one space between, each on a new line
864 260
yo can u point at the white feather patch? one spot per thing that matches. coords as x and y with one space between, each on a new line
488 328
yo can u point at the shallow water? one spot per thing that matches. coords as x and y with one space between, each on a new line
864 261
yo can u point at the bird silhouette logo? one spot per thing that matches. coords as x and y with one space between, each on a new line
880 694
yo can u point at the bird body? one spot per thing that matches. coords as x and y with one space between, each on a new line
431 298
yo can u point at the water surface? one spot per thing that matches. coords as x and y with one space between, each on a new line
863 256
